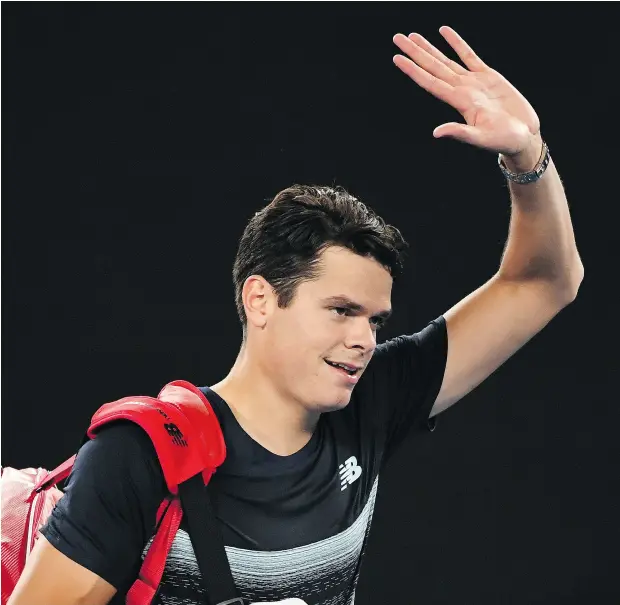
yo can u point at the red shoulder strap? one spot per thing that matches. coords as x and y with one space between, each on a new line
182 426
53 477
143 590
188 440
180 422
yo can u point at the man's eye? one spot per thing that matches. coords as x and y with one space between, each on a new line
342 311
378 322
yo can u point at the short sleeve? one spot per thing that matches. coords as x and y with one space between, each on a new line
406 373
110 502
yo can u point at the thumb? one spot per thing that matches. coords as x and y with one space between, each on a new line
461 132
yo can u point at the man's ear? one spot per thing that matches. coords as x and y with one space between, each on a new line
258 300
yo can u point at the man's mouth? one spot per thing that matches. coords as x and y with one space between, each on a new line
349 369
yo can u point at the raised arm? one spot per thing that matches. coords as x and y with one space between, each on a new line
541 270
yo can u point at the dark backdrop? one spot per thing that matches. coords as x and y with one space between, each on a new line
140 137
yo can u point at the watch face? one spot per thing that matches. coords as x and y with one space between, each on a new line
524 178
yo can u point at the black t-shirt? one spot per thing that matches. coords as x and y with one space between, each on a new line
293 526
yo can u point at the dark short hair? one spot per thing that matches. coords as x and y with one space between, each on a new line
283 241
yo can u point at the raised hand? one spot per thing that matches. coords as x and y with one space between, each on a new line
497 116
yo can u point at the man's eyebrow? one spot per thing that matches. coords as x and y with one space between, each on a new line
346 303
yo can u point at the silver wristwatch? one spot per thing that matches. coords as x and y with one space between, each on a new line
524 178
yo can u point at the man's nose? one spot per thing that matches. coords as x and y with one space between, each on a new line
362 335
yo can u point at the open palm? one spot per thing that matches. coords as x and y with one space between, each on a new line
497 116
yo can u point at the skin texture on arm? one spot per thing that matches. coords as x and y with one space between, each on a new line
51 578
541 271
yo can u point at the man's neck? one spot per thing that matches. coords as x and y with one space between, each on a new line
278 423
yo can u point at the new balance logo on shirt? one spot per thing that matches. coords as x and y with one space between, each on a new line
349 472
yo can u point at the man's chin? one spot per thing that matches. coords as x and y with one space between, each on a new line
335 404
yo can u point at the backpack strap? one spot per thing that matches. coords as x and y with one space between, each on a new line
53 477
189 442
208 543
182 426
144 589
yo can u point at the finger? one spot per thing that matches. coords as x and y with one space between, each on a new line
437 87
460 132
462 49
422 78
425 60
422 42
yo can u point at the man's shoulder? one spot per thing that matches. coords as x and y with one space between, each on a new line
121 445
118 459
433 337
123 434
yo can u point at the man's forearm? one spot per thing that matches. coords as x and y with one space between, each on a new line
541 242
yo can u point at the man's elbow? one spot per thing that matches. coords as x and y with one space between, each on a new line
567 288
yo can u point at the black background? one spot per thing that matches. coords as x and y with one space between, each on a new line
140 137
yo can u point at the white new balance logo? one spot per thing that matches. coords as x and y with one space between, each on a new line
349 472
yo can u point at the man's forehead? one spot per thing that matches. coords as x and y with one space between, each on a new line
342 264
359 282
338 256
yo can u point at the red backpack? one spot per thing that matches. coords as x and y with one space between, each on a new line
188 441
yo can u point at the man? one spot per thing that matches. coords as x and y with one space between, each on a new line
312 408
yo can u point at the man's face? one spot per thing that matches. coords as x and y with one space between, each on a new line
331 320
